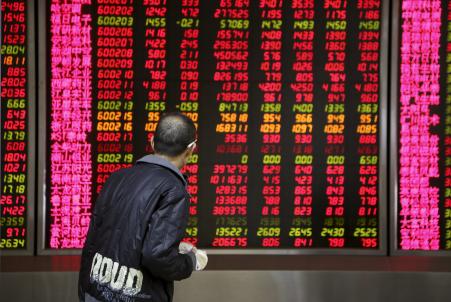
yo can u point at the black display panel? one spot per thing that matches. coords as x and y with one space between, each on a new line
287 98
15 111
423 201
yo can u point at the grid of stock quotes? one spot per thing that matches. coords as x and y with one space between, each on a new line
285 94
424 113
14 124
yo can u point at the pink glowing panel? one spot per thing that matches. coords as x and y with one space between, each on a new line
419 146
71 99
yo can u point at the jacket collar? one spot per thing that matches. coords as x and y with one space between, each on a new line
158 160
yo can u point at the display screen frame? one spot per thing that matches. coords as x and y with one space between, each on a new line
383 153
31 137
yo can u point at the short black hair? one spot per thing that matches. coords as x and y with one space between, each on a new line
175 131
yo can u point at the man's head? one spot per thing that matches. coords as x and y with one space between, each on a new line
175 137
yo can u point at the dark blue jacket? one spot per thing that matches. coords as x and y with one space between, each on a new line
131 251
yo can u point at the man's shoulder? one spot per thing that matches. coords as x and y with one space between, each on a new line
153 177
162 162
153 171
146 178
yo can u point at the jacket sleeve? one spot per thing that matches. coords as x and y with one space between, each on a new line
166 229
87 255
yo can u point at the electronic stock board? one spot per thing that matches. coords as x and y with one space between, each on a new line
288 98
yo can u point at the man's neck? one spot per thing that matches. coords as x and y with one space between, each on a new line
173 160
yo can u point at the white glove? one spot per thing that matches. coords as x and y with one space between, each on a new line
201 259
185 248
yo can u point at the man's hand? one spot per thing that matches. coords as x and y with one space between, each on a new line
201 256
185 248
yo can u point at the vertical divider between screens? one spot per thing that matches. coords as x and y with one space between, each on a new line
42 117
384 133
32 130
393 155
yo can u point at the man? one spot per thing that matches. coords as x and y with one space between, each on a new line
132 249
